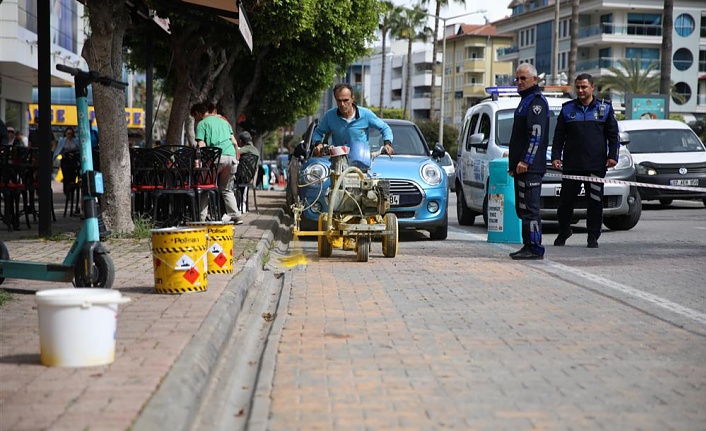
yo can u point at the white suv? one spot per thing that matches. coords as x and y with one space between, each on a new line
485 136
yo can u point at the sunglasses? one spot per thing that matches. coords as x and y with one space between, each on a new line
520 78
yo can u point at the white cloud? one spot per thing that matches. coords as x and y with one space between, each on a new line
495 10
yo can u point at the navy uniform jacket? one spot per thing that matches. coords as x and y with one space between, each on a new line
530 132
587 136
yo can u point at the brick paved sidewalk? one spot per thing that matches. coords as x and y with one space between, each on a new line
152 330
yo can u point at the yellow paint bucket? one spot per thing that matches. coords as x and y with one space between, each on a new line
179 259
220 246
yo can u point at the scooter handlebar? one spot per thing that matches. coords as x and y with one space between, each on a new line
92 76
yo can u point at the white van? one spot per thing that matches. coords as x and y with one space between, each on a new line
485 136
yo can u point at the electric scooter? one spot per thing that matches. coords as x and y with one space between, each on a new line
87 262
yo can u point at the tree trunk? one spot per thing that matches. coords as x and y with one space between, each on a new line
109 19
408 83
435 51
665 82
382 72
573 54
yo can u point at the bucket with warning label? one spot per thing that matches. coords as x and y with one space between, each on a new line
179 257
220 246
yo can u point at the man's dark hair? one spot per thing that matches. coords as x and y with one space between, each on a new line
341 86
198 107
584 76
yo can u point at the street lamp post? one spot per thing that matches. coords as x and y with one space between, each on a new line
443 61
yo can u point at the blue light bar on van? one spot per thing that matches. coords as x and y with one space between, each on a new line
503 90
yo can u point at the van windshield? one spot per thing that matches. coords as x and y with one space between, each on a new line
504 125
664 141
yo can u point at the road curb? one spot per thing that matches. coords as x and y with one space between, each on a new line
175 403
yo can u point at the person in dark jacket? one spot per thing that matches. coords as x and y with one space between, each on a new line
527 159
585 144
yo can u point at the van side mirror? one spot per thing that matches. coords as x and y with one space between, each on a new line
478 141
623 138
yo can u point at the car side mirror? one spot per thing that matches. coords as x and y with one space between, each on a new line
438 152
623 138
478 141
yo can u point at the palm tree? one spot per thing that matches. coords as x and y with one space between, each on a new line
409 25
574 41
387 10
666 55
439 3
631 78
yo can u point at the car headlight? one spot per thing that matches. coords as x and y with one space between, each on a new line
431 174
624 161
315 173
645 170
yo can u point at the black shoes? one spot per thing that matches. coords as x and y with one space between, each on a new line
563 236
526 254
592 242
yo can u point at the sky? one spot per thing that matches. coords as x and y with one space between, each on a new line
495 10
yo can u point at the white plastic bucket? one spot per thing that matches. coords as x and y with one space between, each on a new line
77 326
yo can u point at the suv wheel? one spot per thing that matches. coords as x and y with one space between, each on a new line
629 220
465 216
485 208
665 202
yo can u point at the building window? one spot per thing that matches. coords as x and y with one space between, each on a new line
684 91
684 25
703 25
607 23
646 24
683 59
604 58
645 55
702 61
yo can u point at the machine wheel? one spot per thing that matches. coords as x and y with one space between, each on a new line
465 216
103 272
362 249
324 246
390 241
4 255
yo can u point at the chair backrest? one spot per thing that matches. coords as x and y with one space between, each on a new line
71 166
247 168
174 166
207 173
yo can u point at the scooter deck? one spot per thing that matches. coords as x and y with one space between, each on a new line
36 271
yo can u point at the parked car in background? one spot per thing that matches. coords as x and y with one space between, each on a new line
666 153
447 164
418 185
485 136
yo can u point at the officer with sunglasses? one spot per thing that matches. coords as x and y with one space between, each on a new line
527 164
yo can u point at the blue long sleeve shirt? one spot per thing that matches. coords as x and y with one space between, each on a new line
344 132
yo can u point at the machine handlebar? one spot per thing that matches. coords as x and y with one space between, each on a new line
92 76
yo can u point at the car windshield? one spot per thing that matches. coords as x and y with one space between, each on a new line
505 119
407 140
664 141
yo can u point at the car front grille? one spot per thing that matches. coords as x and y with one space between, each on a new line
409 193
552 203
674 170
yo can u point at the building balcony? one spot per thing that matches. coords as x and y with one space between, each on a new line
595 64
508 54
474 65
396 84
420 103
422 79
474 90
623 30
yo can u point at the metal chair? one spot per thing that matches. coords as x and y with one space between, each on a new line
245 179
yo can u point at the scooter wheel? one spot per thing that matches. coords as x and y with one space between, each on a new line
4 255
102 273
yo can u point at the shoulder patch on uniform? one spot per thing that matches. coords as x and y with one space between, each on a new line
537 109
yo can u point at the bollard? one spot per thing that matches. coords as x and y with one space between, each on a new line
503 224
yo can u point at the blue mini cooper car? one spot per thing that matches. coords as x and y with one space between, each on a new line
418 184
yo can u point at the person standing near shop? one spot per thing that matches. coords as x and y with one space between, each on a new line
585 144
527 159
213 131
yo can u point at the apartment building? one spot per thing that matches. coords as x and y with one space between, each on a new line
471 64
19 53
609 31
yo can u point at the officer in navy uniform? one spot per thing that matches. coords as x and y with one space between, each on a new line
527 159
585 144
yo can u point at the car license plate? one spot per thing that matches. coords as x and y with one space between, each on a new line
394 199
557 191
691 182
